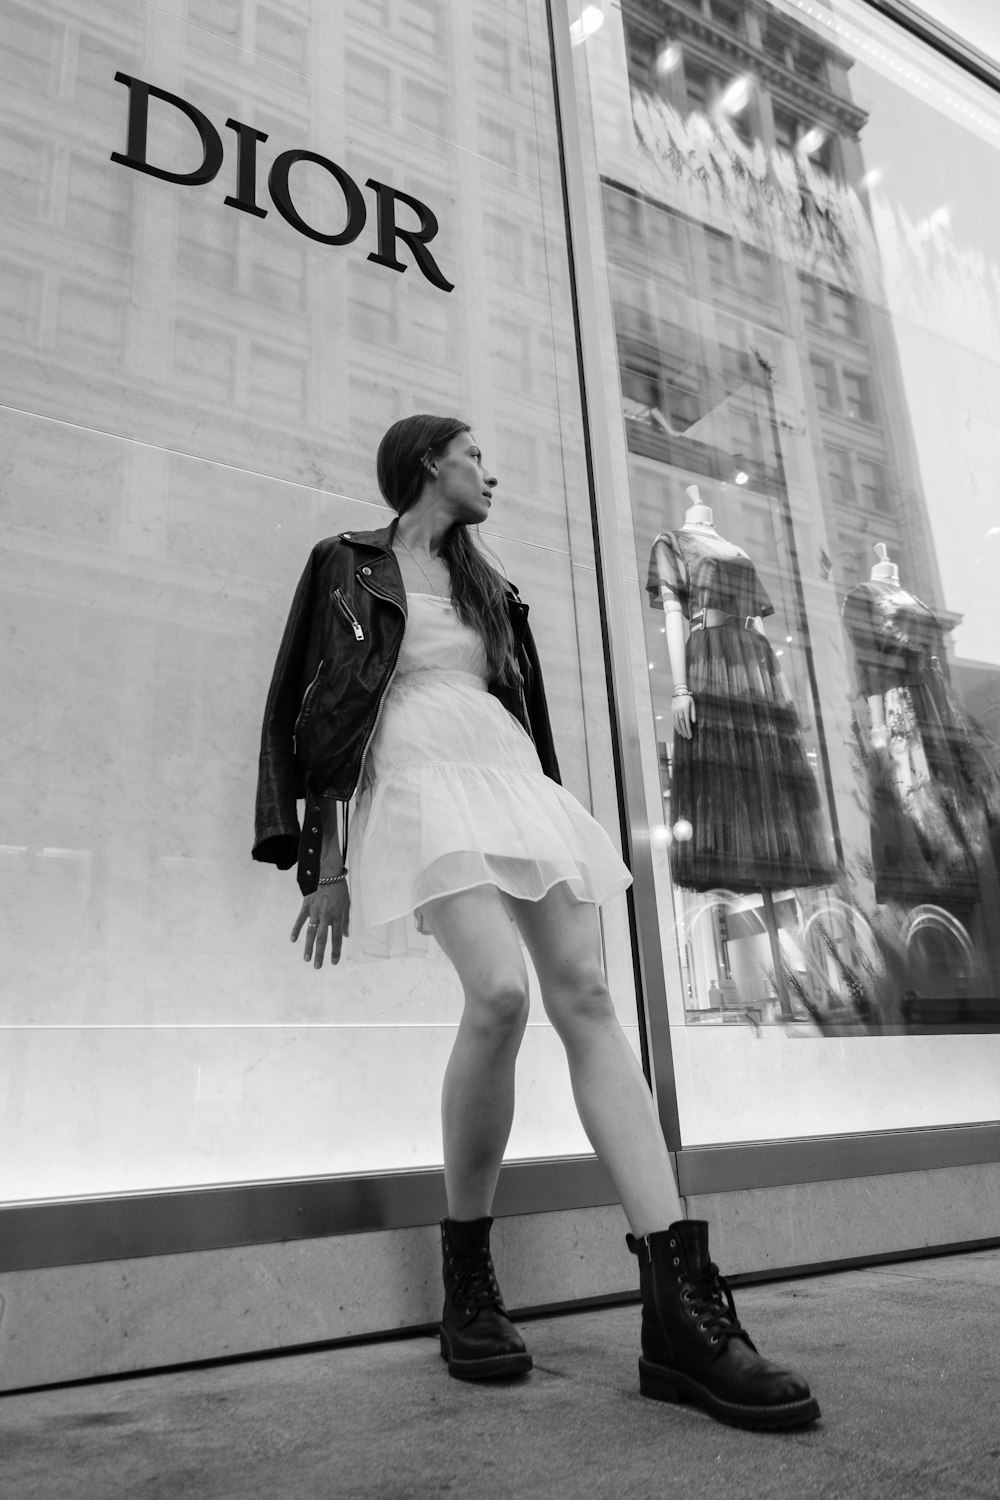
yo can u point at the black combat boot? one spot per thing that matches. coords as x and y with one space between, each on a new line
477 1338
693 1346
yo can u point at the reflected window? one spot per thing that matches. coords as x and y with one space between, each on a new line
98 205
279 271
424 107
824 383
207 242
511 351
786 129
418 24
224 17
91 324
838 469
726 13
503 250
368 81
283 36
812 299
777 40
737 366
205 359
858 401
873 486
498 142
758 274
372 311
640 386
493 56
843 313
278 382
667 237
20 295
25 169
702 88
98 59
682 405
721 257
809 64
30 51
373 13
625 212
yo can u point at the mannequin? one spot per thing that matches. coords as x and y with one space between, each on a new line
883 571
741 780
699 520
928 784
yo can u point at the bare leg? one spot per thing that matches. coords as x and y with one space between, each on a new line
477 1103
613 1099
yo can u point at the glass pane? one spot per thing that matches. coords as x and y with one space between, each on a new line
193 395
803 262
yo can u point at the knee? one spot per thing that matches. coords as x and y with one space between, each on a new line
498 1010
577 997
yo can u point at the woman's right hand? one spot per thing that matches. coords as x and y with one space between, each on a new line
326 913
684 715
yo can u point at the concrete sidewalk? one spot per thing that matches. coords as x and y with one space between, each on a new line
905 1360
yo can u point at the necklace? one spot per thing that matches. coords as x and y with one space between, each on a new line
436 592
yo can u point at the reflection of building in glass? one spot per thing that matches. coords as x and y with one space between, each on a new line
758 359
759 110
182 360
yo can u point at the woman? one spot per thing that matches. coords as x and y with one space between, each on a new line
407 669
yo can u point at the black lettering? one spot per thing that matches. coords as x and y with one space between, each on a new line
277 181
246 168
138 124
389 232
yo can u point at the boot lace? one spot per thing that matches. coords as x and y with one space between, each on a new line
476 1285
709 1299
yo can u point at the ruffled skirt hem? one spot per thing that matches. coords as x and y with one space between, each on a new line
432 830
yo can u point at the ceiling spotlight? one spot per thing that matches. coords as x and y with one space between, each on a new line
591 20
668 59
811 142
737 95
741 476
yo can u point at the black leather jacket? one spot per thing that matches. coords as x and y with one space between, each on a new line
336 659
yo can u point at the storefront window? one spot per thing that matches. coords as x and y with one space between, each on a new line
815 551
194 384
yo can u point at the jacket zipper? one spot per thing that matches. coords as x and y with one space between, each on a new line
388 600
348 614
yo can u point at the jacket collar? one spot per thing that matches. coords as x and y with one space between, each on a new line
381 539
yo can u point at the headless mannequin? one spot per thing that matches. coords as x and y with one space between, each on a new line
883 571
698 519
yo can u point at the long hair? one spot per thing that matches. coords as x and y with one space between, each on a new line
478 589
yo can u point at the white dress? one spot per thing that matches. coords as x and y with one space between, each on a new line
453 796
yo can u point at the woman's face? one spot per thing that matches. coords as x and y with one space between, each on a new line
462 481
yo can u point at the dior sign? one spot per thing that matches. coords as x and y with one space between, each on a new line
390 235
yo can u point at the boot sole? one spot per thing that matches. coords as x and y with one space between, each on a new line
485 1369
660 1383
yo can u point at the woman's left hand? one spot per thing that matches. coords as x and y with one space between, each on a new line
326 913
